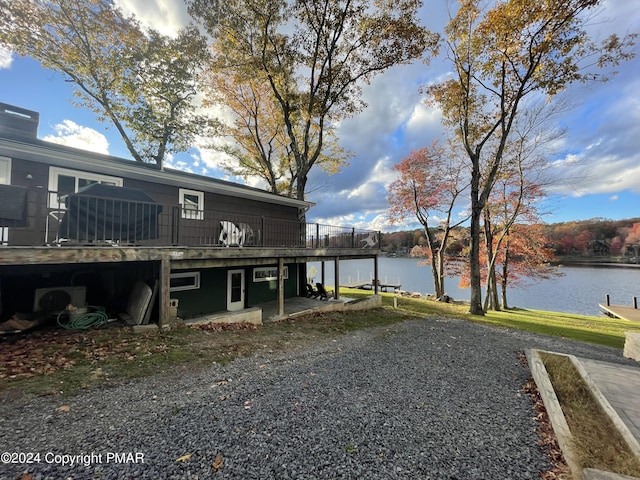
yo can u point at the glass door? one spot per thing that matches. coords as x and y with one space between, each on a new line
235 290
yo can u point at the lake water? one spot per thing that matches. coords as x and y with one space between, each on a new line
579 290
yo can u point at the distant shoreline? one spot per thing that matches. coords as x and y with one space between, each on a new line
579 263
607 262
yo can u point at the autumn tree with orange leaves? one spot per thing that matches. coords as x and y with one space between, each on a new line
523 255
518 190
429 184
633 240
501 56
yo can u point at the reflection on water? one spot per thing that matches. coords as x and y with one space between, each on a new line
579 290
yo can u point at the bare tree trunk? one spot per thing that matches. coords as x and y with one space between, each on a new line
436 262
491 295
438 281
475 306
505 277
441 271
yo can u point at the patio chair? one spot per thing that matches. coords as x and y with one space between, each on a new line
229 234
311 292
370 240
322 292
52 227
246 234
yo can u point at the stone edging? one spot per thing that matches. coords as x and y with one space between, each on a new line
559 423
550 400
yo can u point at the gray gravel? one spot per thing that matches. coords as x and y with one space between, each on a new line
431 399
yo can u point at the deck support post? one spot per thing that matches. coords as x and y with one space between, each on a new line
280 286
376 281
165 283
336 278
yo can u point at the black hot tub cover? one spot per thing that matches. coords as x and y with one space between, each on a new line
103 213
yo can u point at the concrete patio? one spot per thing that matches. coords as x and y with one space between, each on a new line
295 306
302 305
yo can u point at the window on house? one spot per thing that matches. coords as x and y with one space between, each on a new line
5 170
192 203
5 179
267 274
184 281
63 182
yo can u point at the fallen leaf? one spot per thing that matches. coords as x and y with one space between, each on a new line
184 458
63 408
218 462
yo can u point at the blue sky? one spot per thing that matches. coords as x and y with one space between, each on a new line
597 167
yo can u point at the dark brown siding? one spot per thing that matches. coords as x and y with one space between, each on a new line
175 230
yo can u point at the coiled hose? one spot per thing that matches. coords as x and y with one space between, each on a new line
95 317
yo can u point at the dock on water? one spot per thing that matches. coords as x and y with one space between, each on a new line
620 311
369 286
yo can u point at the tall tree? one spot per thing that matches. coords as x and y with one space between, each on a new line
511 209
430 183
520 185
254 139
500 57
141 81
314 56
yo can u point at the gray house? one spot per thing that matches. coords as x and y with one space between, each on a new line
77 226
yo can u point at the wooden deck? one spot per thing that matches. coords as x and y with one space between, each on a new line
369 286
621 311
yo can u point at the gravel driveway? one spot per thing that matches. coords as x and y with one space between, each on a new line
431 399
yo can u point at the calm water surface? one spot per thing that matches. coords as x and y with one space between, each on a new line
579 290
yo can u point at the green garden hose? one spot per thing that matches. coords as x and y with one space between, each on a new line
95 317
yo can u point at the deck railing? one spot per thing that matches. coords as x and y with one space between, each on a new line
107 221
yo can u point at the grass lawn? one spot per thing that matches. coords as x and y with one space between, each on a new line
601 330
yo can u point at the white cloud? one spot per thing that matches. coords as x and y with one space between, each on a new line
605 146
71 134
211 158
180 165
165 16
6 58
569 160
424 118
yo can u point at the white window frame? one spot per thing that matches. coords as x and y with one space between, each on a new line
268 274
187 212
55 172
7 169
195 285
5 164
